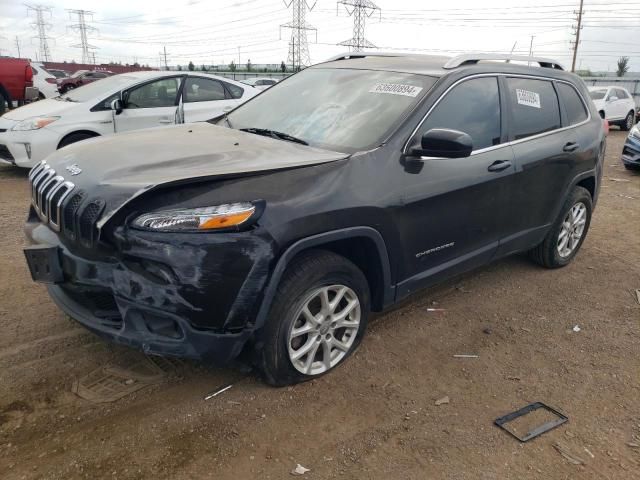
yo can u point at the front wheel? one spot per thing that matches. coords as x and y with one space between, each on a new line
317 319
628 121
566 235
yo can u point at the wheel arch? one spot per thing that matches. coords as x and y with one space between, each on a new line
364 246
93 133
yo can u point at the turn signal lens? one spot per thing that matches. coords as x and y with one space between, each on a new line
196 219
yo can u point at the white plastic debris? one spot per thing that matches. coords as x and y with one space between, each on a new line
576 329
300 470
465 356
442 401
218 392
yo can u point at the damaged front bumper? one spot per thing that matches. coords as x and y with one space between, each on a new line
631 151
193 296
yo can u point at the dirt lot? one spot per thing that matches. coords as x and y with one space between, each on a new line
376 416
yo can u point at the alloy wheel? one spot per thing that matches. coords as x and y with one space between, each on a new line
324 329
572 229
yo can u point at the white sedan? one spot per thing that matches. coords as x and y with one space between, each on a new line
261 83
119 103
615 104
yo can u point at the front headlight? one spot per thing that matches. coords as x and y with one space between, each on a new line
196 219
635 132
34 123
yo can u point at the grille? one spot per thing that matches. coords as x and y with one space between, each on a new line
68 216
100 302
48 192
5 154
87 221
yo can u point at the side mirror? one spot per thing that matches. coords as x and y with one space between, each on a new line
444 143
117 106
612 98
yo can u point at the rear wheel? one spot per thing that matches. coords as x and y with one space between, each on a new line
3 104
566 235
628 121
317 319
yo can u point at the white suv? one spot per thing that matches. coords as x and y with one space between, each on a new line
615 104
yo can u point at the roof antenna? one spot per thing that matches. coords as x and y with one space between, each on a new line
512 49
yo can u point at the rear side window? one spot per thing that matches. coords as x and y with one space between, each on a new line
534 107
203 90
576 111
472 107
234 90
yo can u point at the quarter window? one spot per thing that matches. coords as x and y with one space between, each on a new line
534 107
203 90
472 107
161 93
576 111
236 91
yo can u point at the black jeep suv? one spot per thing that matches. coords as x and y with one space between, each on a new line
275 230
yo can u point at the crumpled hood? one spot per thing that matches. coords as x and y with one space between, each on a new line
39 109
118 168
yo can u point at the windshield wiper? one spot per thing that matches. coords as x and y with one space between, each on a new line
274 134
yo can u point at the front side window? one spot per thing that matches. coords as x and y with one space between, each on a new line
472 107
621 93
203 90
340 109
576 111
534 107
161 93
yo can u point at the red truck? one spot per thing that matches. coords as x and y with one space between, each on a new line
16 82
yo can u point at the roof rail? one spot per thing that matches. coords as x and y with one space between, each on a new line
347 55
473 58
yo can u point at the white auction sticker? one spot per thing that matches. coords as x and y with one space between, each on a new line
530 99
396 89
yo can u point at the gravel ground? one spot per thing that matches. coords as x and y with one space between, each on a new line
375 417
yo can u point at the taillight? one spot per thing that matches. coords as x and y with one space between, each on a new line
50 80
28 73
605 126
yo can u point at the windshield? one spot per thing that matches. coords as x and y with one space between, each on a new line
339 109
99 88
597 94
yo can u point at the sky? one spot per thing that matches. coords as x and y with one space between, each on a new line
218 31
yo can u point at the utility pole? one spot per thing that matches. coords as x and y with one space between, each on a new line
166 66
531 49
360 10
82 28
238 56
41 26
18 46
577 34
298 46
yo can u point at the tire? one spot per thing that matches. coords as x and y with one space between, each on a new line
548 252
75 137
3 104
632 168
303 284
628 122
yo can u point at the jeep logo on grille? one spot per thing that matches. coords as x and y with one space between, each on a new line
74 169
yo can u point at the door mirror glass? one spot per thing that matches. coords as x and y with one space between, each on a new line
117 106
445 143
612 98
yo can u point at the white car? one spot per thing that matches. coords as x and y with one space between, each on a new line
45 82
261 83
129 101
615 104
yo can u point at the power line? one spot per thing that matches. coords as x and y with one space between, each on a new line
298 46
360 10
82 28
42 28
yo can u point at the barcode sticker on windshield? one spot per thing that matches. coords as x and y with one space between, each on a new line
530 99
396 89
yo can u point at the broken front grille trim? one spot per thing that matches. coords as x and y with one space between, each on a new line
45 187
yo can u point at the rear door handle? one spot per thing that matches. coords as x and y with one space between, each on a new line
571 147
499 165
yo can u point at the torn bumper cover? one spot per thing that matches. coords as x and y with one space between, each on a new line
193 296
631 151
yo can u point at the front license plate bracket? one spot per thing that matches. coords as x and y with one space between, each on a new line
44 263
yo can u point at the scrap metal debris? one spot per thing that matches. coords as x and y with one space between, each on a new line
568 454
465 356
638 295
618 179
503 422
442 401
300 470
218 392
435 310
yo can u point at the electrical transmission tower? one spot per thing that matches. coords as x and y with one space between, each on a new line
82 28
360 10
41 26
298 46
577 34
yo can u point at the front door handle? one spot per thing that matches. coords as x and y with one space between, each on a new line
499 165
571 147
166 120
